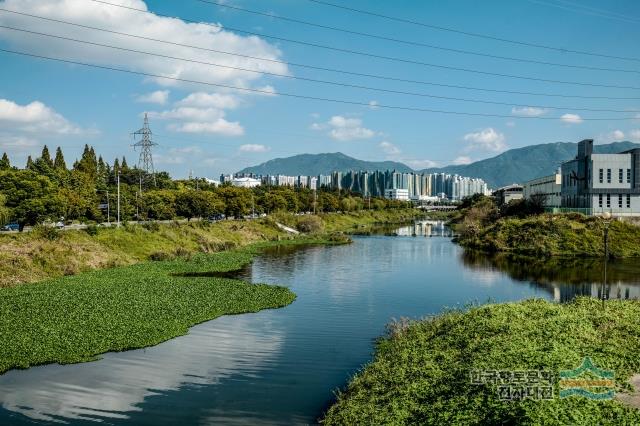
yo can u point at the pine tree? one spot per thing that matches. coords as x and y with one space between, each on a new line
124 163
88 163
59 162
46 157
5 164
30 165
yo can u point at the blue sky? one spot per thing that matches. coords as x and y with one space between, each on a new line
212 130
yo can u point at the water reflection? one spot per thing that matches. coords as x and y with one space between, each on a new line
113 387
425 228
564 278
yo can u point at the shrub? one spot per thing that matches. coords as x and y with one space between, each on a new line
151 226
309 224
46 232
92 230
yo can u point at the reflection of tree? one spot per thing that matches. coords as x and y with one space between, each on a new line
567 277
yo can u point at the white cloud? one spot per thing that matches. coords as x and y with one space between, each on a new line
528 111
219 126
344 129
389 148
209 100
571 118
146 25
463 159
485 140
419 164
373 104
616 135
510 124
254 148
634 135
34 117
160 97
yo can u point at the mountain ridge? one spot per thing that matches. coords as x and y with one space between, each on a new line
516 165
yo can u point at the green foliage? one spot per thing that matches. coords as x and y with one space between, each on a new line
4 211
92 230
192 203
31 197
5 164
309 224
421 370
74 319
46 232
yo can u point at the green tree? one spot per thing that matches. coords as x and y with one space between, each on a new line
237 201
192 203
31 196
159 204
272 202
5 213
30 165
328 202
59 162
5 164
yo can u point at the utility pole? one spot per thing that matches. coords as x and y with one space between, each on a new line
607 221
108 210
118 198
315 200
145 162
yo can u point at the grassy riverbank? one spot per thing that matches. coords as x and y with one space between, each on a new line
519 228
421 371
74 319
33 257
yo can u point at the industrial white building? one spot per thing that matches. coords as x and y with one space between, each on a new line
598 183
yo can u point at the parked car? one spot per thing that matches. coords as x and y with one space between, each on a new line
11 227
216 217
60 225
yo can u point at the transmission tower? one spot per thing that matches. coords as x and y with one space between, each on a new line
145 162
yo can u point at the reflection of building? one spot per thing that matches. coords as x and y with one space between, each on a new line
425 228
602 182
547 186
508 193
619 290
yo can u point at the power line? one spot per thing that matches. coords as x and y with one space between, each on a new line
318 68
389 58
340 84
414 43
473 34
587 10
298 96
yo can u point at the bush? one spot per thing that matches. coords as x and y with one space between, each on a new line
92 230
151 226
46 232
309 224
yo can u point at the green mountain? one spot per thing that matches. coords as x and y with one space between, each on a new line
512 166
321 164
522 164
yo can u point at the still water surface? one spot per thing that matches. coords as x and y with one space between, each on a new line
281 366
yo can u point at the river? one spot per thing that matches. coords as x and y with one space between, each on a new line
282 366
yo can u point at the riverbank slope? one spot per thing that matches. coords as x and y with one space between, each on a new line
421 373
46 253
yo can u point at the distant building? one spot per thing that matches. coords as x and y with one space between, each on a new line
508 193
397 194
598 183
548 186
246 182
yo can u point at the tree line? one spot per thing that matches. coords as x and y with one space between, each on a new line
47 190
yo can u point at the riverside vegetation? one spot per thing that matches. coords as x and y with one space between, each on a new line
522 228
421 370
75 318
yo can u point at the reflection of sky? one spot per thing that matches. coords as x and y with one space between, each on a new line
272 367
114 385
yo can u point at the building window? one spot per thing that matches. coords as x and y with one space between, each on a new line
620 176
608 200
628 175
608 175
628 201
620 201
599 200
601 175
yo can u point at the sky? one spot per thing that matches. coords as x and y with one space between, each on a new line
239 95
